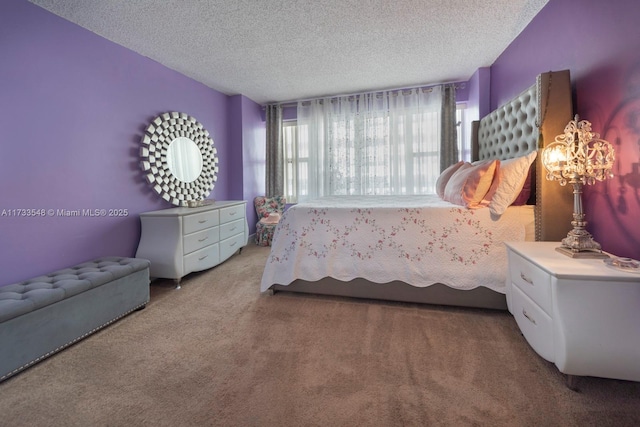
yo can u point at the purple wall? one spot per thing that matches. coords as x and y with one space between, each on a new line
479 86
248 128
599 42
74 107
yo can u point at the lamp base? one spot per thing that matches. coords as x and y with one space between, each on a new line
579 243
585 253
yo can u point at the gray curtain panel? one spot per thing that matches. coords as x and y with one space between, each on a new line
448 129
275 155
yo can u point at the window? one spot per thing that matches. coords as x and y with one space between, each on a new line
464 140
296 158
372 153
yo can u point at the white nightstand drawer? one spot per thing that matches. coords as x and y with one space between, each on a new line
202 259
229 246
232 228
194 241
531 279
534 323
592 328
200 221
231 213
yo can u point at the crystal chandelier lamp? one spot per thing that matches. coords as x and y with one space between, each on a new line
579 157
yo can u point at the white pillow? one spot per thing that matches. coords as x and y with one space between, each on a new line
513 174
445 176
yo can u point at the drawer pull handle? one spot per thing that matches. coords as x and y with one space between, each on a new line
201 258
526 279
234 229
202 221
202 240
233 244
528 317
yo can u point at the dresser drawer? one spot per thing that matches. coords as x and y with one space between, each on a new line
194 241
531 279
534 323
232 213
182 240
201 260
200 221
232 228
229 246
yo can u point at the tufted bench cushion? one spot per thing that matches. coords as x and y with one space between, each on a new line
32 294
47 313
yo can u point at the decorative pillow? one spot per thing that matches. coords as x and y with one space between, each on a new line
513 175
471 184
525 193
273 218
445 176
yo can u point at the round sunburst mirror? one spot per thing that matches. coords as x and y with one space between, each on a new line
179 158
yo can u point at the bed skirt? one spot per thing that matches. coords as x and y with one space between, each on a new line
438 293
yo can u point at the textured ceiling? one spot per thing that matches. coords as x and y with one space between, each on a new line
281 50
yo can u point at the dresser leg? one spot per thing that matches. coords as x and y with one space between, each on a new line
572 382
177 281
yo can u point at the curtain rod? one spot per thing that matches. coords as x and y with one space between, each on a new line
457 85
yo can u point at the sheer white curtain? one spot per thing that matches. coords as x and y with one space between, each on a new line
369 144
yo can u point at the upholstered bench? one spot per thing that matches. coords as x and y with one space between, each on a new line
44 315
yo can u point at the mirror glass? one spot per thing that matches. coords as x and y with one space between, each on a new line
184 159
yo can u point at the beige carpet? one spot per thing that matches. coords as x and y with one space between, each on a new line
219 353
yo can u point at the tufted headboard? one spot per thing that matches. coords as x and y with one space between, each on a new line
512 130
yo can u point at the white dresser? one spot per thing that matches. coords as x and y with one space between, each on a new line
580 314
179 241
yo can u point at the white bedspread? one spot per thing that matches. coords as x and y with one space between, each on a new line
420 240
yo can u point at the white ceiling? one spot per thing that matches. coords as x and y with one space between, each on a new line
282 50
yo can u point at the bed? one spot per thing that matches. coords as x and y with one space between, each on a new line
422 248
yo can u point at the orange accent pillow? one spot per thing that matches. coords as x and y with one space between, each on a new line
473 185
445 176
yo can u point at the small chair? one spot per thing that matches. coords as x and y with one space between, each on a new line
269 210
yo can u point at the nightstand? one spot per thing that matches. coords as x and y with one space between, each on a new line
579 314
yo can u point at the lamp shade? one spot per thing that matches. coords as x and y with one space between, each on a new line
578 155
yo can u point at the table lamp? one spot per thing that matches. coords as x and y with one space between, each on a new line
579 157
